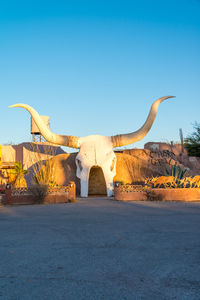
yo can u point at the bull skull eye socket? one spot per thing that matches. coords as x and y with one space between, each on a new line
79 164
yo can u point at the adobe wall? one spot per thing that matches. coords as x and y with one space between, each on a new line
29 153
132 165
159 151
8 153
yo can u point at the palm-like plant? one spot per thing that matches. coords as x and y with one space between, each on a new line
19 173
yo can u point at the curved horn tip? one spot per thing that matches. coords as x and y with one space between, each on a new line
167 97
171 96
163 99
14 105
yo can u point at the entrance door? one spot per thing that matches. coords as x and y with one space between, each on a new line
97 184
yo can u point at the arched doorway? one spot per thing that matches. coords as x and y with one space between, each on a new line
97 184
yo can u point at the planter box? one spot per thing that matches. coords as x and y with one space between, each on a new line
179 194
23 196
129 196
190 194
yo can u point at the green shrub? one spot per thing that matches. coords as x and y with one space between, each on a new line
192 141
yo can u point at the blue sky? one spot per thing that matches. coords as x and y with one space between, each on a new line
95 67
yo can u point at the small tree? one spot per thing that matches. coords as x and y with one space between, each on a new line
43 169
19 173
192 142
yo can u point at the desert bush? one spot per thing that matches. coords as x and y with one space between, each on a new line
191 182
43 170
2 191
192 141
152 196
160 182
173 182
39 192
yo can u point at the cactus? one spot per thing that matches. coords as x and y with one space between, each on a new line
175 171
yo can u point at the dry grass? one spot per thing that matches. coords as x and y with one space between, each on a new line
43 169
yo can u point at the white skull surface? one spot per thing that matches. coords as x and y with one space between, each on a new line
95 150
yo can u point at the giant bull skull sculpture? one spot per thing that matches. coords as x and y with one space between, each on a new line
95 150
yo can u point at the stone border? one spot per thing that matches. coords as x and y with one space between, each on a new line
184 194
15 196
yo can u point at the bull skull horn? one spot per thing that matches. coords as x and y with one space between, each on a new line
64 140
129 138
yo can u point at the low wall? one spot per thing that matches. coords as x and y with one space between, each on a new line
2 199
54 195
190 194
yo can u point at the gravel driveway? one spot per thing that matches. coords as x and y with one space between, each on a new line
100 249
